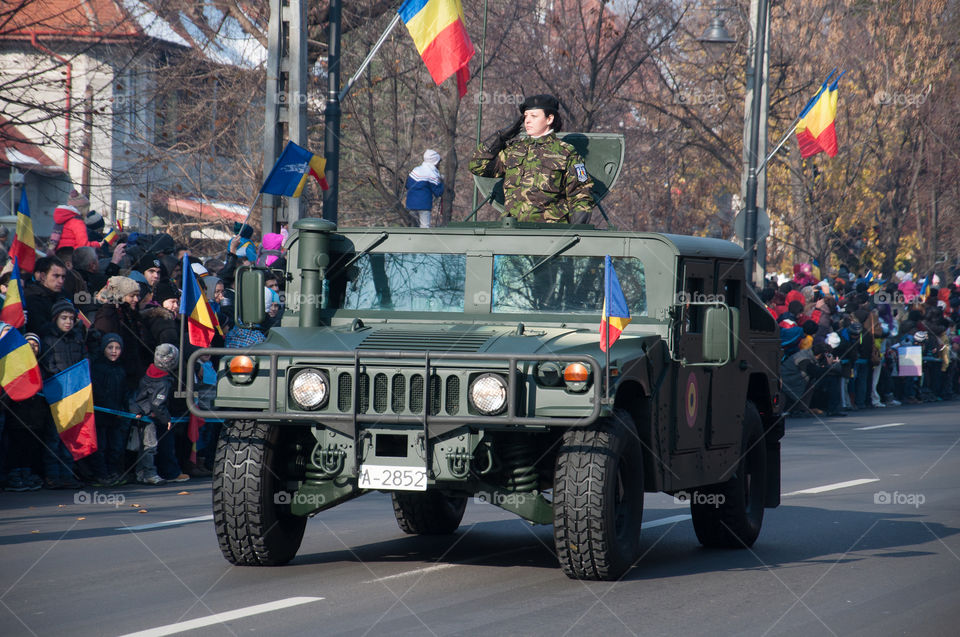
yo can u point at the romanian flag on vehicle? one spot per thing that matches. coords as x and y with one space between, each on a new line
816 132
19 371
439 33
202 323
12 311
70 396
616 314
290 173
23 247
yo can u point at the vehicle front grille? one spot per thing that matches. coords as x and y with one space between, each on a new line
399 393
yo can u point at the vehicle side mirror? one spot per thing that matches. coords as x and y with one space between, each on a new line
250 300
717 335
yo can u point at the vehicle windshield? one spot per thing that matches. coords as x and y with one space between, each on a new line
402 282
435 282
564 285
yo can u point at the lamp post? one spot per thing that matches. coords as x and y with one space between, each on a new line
716 34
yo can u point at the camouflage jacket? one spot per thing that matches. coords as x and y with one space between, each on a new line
544 179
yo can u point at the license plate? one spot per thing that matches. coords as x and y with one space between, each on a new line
391 478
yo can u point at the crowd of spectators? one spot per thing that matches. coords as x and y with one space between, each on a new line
845 340
117 305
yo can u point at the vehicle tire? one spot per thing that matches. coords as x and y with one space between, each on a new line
429 512
252 528
730 514
598 499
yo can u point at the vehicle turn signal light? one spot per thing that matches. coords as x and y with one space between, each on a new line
576 373
241 365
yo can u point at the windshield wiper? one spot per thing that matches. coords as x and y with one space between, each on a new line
336 268
566 246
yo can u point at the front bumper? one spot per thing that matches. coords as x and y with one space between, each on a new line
359 364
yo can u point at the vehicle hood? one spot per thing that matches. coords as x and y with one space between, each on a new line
493 339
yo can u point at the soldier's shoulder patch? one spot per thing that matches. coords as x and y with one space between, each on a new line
581 172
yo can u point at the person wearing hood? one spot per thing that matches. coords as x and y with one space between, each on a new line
544 178
118 314
162 322
271 251
70 216
424 184
109 382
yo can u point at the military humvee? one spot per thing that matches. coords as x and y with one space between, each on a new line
464 361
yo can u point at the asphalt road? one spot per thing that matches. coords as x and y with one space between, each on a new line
876 552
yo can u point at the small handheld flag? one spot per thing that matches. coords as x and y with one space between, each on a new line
70 396
202 323
12 311
816 132
439 33
19 371
289 174
23 247
616 314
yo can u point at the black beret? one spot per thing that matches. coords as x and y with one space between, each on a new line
547 102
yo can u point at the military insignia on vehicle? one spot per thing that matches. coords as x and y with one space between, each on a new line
581 172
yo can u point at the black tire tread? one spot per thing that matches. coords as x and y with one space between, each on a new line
429 513
583 539
728 525
249 529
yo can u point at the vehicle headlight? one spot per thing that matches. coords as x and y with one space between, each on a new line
310 389
488 393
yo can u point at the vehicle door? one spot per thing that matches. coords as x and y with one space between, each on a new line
692 383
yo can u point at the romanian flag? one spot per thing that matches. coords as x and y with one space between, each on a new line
114 234
289 174
616 314
440 36
815 131
23 247
12 311
70 396
19 371
202 323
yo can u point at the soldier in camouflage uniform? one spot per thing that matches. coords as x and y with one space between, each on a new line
544 179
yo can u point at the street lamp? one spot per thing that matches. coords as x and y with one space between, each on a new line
716 34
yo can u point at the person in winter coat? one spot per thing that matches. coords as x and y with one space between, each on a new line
110 391
46 289
71 217
796 373
270 249
62 340
152 399
423 184
119 315
161 323
61 346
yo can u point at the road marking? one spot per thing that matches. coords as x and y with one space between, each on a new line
893 424
220 618
664 521
426 569
160 525
832 487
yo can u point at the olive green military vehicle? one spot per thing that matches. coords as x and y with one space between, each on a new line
464 362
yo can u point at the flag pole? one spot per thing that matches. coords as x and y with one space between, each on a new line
480 100
606 311
369 58
786 136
